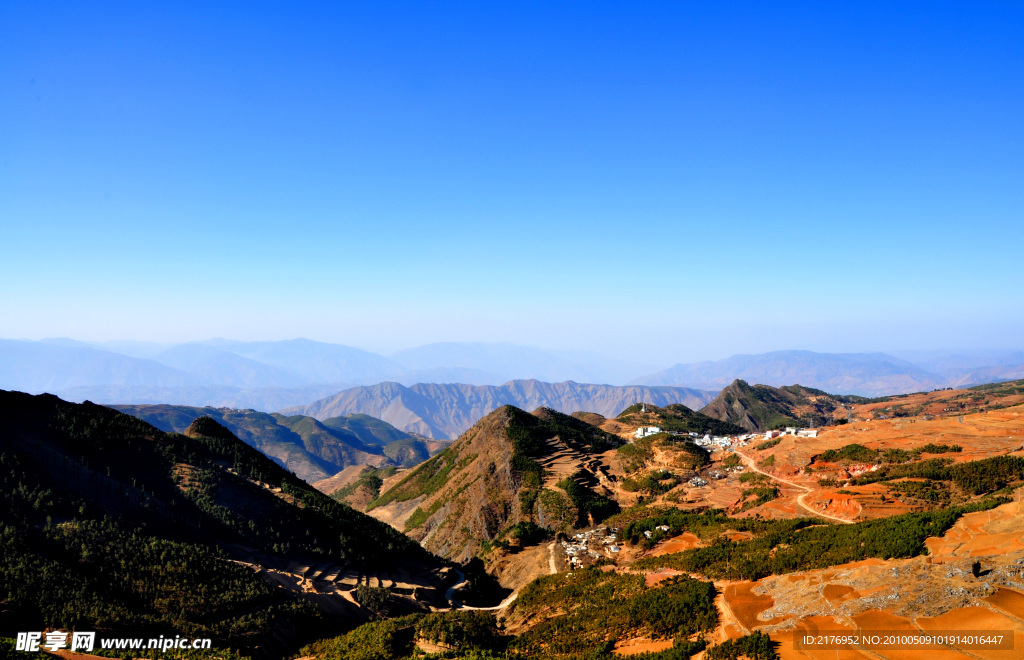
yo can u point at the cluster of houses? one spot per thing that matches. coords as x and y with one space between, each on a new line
585 548
723 440
792 430
709 440
660 528
743 440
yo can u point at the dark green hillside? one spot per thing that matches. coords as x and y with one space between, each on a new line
108 524
980 477
346 441
572 617
313 450
546 423
338 449
761 407
1007 388
407 452
524 438
584 610
677 418
802 544
369 430
861 454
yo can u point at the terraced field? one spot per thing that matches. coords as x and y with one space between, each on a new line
332 585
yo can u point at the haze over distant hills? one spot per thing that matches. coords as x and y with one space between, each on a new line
446 411
273 375
865 374
505 362
310 448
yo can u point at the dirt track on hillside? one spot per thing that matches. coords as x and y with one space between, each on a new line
801 499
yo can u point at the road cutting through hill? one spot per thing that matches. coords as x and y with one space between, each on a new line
749 462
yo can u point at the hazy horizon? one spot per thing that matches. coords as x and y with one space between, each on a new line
120 345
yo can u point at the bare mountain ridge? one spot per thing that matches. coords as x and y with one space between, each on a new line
264 399
447 410
511 467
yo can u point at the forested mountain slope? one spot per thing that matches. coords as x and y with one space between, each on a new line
312 449
761 407
110 524
512 467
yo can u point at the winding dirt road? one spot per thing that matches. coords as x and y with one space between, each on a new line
749 462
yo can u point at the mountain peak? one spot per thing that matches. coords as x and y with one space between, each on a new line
208 427
503 471
762 407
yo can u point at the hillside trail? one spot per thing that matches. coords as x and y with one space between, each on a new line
800 500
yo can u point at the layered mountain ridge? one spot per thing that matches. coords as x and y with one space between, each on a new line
310 448
273 375
510 468
447 410
762 407
864 374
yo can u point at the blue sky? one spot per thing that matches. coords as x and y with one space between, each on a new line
677 181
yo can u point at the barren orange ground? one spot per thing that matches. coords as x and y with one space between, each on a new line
933 593
943 402
981 435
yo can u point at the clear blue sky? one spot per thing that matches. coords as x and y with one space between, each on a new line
679 180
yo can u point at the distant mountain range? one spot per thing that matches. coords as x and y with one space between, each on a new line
865 374
270 376
274 375
311 449
446 411
504 362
